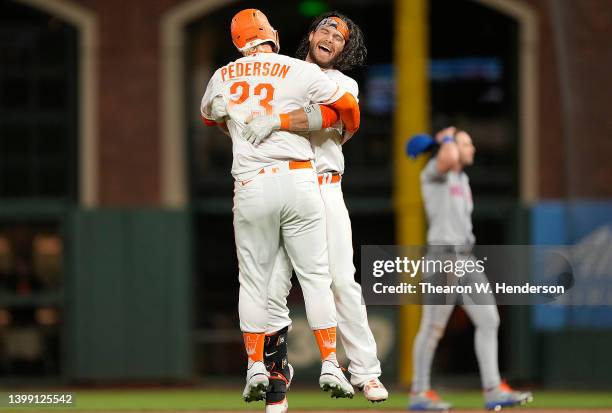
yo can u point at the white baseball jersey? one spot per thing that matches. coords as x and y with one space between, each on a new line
355 333
327 142
267 83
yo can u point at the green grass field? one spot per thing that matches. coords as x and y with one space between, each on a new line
170 400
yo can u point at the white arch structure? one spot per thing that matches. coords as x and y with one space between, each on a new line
173 163
85 22
173 132
173 128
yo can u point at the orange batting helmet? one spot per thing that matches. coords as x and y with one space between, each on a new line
250 27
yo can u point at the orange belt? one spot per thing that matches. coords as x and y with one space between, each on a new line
292 165
336 177
300 165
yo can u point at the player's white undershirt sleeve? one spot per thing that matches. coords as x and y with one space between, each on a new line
214 89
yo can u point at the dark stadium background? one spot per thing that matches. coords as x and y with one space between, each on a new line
117 259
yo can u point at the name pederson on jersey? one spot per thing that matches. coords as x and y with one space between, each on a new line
326 143
267 83
448 203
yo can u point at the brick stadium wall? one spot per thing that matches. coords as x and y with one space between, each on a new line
129 72
588 28
551 183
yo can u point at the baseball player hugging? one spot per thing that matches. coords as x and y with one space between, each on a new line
276 191
334 43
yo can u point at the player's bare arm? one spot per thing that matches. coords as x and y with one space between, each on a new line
316 117
310 118
448 156
313 117
456 151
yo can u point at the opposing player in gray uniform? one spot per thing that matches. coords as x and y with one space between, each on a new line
448 203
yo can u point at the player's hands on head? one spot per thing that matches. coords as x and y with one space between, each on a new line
259 128
448 131
218 109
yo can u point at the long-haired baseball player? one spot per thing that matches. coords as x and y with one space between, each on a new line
448 203
276 190
335 43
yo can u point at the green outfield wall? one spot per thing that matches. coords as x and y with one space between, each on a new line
128 307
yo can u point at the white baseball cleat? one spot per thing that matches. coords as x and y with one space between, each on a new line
333 379
504 396
256 382
290 376
279 407
374 391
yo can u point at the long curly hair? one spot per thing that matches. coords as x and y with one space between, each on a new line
354 52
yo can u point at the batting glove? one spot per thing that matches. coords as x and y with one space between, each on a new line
218 109
260 127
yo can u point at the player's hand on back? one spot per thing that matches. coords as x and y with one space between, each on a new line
260 127
218 109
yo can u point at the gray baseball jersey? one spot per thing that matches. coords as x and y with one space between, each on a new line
448 203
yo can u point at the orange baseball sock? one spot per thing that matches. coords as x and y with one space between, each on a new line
254 345
326 340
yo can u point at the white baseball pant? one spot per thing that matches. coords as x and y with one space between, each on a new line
281 205
355 333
